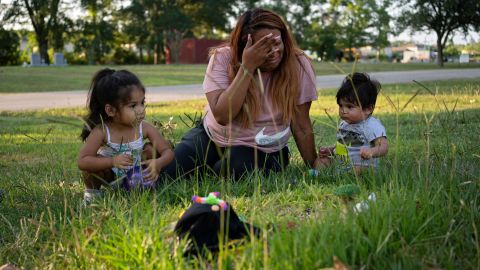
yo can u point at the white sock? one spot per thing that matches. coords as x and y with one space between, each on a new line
90 194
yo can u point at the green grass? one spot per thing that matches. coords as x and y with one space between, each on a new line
427 213
333 68
42 79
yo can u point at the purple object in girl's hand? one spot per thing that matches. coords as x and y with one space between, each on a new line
134 179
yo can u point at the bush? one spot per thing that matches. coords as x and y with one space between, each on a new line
75 58
9 48
123 57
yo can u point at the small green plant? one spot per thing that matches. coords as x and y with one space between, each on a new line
347 191
167 129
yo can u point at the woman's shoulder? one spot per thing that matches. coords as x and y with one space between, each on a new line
306 71
303 59
222 50
220 58
221 54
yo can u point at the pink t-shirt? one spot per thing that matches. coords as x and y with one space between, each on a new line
268 132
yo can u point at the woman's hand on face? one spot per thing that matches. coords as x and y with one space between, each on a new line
254 55
152 170
122 161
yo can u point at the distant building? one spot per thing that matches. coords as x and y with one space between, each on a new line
413 53
195 51
369 54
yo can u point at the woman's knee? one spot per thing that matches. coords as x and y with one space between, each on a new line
233 168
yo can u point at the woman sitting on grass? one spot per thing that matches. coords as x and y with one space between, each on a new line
361 138
259 88
114 133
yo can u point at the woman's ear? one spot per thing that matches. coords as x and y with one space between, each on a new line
110 110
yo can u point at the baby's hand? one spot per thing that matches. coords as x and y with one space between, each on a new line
366 153
122 161
152 171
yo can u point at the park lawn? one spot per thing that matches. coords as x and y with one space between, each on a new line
426 215
43 79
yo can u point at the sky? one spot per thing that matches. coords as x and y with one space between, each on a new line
431 38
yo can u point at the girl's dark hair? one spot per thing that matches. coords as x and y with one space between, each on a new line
107 87
359 89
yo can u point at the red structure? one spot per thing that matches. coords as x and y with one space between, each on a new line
195 51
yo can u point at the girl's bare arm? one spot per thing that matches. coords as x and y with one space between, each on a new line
88 160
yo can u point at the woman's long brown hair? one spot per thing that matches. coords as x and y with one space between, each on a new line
285 78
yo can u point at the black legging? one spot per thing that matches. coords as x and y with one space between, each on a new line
196 152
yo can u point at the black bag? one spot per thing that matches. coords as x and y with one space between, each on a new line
201 224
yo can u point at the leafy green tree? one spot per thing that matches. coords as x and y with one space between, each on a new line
322 39
473 47
133 20
175 23
61 28
206 25
299 15
451 50
380 25
96 30
183 18
322 34
165 23
9 43
354 22
442 17
243 5
42 15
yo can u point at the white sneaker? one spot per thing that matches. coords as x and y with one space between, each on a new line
91 194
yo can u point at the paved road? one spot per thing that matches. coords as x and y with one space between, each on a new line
63 99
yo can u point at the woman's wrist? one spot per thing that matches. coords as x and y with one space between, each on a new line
246 69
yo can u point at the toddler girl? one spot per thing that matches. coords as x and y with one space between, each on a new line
114 134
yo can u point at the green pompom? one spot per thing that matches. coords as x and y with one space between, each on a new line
211 199
349 190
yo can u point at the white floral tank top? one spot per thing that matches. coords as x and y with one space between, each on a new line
134 148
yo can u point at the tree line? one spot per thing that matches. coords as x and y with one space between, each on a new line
99 29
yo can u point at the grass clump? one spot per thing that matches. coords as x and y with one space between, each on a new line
426 214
